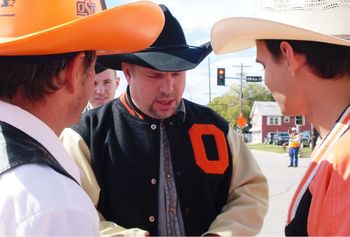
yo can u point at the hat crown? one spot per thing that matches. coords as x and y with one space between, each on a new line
172 35
324 21
27 16
169 52
329 17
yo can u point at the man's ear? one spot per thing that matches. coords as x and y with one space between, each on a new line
290 57
126 71
73 71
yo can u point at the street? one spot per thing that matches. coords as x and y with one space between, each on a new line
283 181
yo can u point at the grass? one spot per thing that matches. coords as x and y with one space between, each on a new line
304 152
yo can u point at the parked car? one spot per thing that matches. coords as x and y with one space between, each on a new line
280 138
306 138
269 138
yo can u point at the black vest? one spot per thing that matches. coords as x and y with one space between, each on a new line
17 148
125 152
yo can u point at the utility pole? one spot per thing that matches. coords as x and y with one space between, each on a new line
241 87
209 79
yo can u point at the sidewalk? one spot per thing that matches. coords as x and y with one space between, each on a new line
283 181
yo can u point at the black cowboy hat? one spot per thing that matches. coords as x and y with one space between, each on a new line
99 68
170 52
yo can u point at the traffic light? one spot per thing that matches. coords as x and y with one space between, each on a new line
299 120
221 76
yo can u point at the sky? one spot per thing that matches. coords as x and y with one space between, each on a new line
197 17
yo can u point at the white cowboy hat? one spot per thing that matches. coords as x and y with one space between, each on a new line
37 27
325 21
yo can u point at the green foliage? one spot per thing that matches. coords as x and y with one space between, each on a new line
303 152
228 105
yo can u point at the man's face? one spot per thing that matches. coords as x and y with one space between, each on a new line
105 85
277 78
155 93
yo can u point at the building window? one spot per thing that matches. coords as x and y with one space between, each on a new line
286 119
273 120
300 120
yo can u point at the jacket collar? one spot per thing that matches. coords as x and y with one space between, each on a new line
135 111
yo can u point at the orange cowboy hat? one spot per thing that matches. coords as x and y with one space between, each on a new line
40 27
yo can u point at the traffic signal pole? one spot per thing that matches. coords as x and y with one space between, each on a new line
241 87
209 80
221 76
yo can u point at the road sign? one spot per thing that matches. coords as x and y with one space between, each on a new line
253 78
241 121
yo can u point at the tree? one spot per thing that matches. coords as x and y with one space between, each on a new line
228 105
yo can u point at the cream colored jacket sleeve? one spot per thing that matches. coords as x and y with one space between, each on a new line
247 202
80 152
246 205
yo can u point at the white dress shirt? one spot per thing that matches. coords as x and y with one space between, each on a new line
35 199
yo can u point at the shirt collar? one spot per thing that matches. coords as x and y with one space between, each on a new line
181 110
38 130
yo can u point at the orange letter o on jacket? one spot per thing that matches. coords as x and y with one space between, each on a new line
209 166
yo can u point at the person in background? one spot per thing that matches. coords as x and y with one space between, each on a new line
314 138
161 163
45 84
106 83
293 146
304 47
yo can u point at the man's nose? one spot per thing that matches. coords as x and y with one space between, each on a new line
99 88
168 84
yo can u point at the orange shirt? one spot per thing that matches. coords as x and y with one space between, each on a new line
329 212
328 180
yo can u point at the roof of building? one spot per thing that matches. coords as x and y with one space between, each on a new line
265 108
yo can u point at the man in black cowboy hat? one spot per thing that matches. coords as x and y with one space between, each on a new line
158 162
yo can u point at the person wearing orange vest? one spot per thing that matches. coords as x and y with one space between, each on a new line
294 145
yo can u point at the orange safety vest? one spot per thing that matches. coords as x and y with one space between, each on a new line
294 141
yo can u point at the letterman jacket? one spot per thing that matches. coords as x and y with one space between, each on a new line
220 187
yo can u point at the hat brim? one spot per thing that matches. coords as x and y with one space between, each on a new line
170 60
238 33
99 68
127 28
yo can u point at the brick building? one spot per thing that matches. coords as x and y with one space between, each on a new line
266 117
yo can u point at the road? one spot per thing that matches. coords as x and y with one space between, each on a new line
283 181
